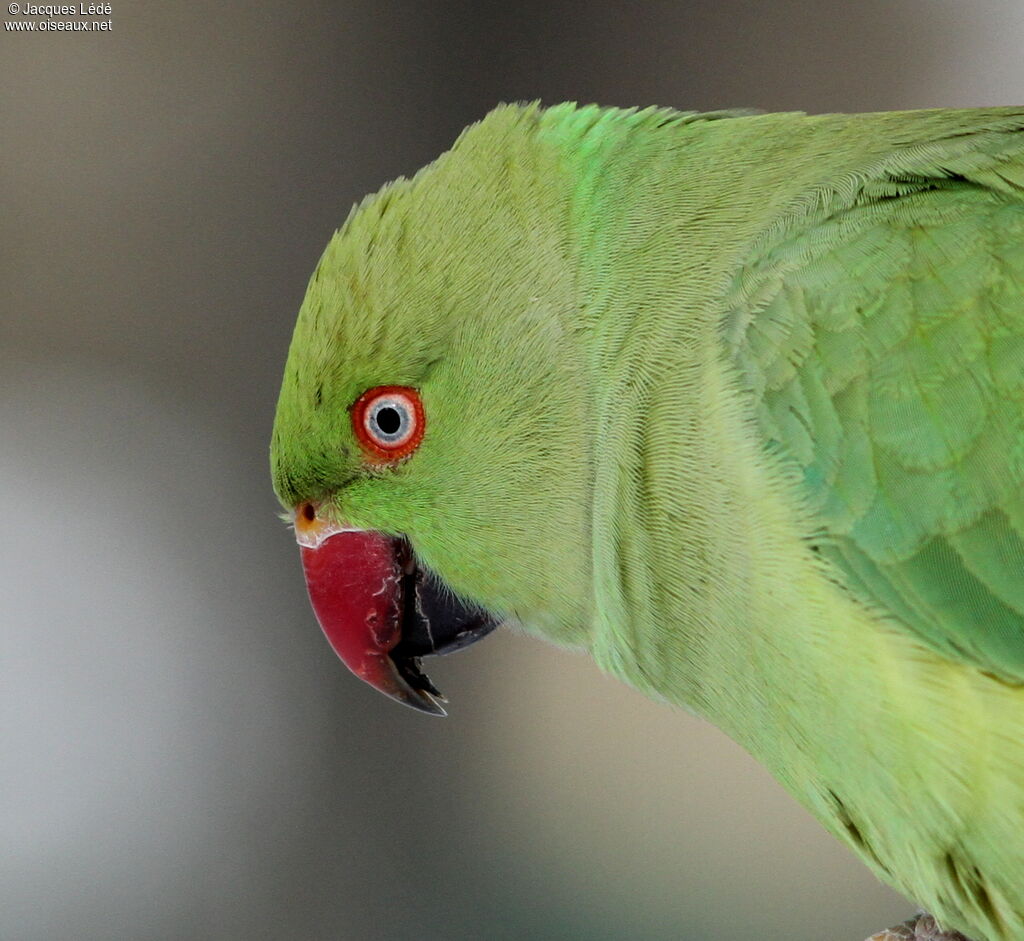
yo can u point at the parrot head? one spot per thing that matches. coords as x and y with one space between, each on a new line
432 442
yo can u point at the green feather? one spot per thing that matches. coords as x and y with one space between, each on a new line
929 339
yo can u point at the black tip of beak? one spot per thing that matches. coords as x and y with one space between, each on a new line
414 689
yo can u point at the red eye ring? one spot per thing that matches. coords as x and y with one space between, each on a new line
388 422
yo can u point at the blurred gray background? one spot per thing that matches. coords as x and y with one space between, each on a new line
181 754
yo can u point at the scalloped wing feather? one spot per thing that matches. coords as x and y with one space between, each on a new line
884 348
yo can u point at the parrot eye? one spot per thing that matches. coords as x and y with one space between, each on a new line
389 422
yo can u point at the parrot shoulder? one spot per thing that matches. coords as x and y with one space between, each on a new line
878 331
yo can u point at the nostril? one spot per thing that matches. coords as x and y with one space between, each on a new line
308 513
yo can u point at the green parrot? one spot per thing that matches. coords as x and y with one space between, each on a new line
732 401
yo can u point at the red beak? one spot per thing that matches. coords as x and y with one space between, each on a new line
355 582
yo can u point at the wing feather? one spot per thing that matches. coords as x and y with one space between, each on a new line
884 350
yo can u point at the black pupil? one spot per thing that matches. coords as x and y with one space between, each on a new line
388 420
